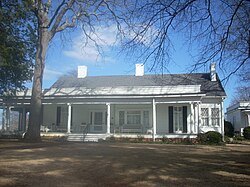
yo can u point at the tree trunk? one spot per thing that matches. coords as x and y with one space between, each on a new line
35 118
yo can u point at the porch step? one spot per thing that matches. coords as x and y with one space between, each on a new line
87 138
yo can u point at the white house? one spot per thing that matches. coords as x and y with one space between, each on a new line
153 106
239 115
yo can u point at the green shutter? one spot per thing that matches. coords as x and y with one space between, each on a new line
58 116
184 119
171 119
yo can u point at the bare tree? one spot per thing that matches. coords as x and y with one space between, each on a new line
242 94
54 17
220 30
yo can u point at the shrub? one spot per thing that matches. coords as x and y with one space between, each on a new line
246 132
228 129
165 139
238 138
210 137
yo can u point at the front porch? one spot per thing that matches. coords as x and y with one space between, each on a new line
149 120
144 117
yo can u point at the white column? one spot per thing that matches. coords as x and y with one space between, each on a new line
108 118
248 118
191 117
24 119
3 119
69 118
222 119
154 119
197 117
8 118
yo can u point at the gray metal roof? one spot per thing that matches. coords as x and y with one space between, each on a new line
207 87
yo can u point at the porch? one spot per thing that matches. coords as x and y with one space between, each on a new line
147 117
144 119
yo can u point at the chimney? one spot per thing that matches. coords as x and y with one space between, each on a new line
213 72
139 69
82 72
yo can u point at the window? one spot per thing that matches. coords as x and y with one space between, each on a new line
204 116
146 118
121 117
178 119
215 116
210 116
133 117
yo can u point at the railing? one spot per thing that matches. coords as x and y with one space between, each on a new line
85 131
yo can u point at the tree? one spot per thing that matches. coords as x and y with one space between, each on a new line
17 46
54 17
219 30
242 93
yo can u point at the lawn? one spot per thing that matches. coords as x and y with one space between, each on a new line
122 164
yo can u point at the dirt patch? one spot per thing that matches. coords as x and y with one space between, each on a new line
120 164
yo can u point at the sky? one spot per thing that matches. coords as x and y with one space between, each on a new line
67 52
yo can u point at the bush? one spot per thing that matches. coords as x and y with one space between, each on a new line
246 133
238 138
210 137
165 139
228 129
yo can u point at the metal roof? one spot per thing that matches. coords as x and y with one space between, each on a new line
208 87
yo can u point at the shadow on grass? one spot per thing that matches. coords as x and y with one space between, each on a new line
86 164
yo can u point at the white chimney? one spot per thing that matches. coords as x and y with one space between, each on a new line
139 69
213 72
82 72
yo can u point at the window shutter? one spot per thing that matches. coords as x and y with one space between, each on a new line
58 116
170 117
184 119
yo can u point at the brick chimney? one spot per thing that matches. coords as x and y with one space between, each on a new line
213 72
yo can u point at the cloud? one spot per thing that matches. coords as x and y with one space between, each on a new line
90 51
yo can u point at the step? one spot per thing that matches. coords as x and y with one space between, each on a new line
87 138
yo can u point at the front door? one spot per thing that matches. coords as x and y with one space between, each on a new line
98 121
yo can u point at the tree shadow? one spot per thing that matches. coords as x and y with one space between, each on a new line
87 164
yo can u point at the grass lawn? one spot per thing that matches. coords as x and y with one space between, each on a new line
121 164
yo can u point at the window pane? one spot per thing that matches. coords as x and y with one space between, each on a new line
178 119
215 116
134 117
204 116
98 118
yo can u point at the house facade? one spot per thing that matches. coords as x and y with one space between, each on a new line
239 115
152 106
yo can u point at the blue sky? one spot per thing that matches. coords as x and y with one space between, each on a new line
65 55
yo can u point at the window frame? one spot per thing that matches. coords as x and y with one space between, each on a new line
210 117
